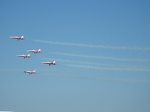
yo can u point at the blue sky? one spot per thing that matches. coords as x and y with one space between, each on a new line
101 48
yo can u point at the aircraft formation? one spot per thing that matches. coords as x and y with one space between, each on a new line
29 56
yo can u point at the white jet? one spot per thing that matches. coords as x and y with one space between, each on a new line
30 72
17 37
24 56
35 51
50 63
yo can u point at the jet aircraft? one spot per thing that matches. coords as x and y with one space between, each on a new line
24 56
17 37
50 63
30 72
35 51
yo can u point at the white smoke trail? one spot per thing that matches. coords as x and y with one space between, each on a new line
94 46
94 63
101 79
102 57
101 66
10 70
110 68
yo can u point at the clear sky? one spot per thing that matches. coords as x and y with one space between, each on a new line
102 50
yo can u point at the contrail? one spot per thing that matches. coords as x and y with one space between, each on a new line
10 70
102 57
110 68
94 63
94 46
101 79
101 66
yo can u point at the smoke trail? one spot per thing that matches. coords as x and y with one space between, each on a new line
94 46
101 79
102 57
100 66
10 70
96 64
110 68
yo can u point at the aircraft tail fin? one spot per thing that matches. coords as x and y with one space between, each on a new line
54 62
28 56
34 72
39 50
22 37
